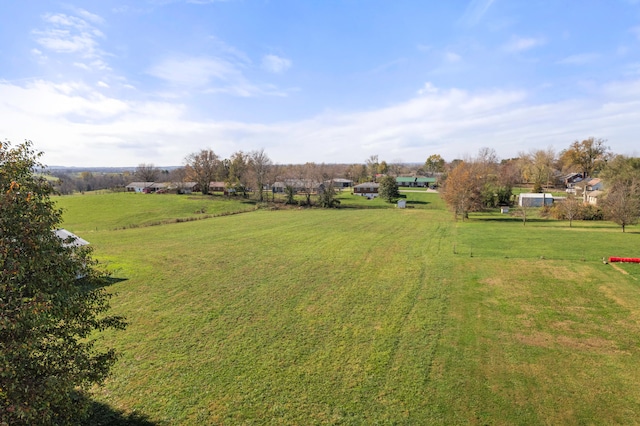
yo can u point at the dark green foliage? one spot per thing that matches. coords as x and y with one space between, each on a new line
327 196
290 194
47 313
388 189
494 195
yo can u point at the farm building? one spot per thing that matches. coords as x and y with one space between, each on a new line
415 182
533 199
367 189
139 186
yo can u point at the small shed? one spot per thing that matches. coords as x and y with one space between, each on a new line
402 204
534 199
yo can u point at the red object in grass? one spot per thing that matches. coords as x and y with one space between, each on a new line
625 259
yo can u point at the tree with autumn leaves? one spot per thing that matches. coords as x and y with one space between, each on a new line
52 300
462 189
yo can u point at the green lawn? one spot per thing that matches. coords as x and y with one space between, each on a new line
112 211
366 315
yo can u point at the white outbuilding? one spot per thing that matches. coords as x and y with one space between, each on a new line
533 199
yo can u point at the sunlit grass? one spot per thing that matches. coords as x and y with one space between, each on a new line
372 315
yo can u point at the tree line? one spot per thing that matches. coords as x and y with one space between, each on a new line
484 181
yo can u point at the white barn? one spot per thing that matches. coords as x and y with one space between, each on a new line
533 199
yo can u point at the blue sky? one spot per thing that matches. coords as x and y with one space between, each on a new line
118 82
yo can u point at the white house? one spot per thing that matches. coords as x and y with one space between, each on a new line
139 186
533 199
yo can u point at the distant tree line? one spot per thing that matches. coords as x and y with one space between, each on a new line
484 181
468 185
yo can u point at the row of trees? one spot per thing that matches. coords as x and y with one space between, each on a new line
476 183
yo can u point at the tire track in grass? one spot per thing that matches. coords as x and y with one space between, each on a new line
429 311
411 342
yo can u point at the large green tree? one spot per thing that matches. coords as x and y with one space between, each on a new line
434 164
388 189
51 302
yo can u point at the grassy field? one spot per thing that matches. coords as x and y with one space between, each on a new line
364 315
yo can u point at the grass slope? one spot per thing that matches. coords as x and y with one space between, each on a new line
368 316
112 211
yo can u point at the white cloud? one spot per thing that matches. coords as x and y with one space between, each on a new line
275 64
195 71
76 125
520 44
90 16
72 35
428 89
580 59
211 75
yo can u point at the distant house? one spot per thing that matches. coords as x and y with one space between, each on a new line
533 199
415 182
342 183
298 185
594 184
217 186
159 187
139 187
367 189
571 179
69 238
186 187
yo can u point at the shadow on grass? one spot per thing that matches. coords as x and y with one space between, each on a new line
103 282
418 202
103 415
107 281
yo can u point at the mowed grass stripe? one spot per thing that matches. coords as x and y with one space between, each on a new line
263 317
